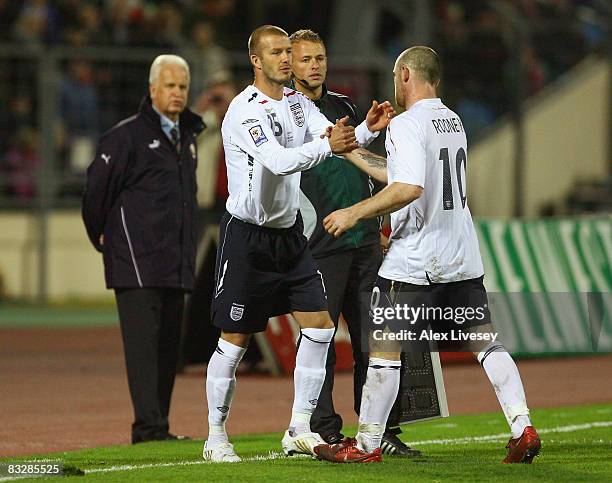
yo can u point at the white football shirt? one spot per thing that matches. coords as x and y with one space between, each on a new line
267 144
433 239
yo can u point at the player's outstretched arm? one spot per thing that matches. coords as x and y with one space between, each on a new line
370 163
394 197
257 139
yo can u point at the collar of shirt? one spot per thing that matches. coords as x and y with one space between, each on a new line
429 100
316 101
167 124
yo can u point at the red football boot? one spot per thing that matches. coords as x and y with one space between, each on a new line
523 449
346 452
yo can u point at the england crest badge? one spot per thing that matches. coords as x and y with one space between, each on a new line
236 312
298 114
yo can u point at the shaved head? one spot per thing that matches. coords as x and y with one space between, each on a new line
259 33
416 75
423 61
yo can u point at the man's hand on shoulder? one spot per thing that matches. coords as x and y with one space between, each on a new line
342 137
379 116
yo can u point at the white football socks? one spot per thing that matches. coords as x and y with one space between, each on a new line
506 380
220 386
377 399
308 376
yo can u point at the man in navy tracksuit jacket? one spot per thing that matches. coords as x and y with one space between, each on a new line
138 208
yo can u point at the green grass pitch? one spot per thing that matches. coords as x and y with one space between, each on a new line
577 446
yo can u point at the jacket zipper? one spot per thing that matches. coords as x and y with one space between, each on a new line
127 234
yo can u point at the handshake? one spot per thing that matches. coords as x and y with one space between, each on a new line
342 137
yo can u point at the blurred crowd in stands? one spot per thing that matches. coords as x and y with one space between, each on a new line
473 37
477 45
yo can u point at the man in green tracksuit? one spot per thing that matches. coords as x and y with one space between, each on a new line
349 264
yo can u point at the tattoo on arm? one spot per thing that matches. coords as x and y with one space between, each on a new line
373 160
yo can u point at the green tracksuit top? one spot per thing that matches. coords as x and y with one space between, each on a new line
334 184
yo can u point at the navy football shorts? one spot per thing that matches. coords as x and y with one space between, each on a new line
262 272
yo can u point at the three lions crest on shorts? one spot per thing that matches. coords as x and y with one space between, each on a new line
236 312
298 114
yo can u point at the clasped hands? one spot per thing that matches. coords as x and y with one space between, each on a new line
342 136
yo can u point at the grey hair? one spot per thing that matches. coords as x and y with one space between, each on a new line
166 59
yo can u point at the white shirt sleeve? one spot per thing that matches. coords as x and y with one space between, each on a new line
407 153
364 135
257 140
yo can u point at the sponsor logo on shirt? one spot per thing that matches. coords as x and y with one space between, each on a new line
258 135
298 114
249 121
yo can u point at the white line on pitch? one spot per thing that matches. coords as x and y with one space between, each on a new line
503 436
272 455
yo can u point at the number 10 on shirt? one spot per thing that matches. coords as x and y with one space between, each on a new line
447 184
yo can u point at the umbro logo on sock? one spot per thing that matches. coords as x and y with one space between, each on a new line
313 401
223 409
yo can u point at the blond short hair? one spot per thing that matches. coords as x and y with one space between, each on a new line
305 35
